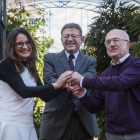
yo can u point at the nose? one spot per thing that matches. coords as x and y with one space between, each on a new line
70 38
112 43
24 46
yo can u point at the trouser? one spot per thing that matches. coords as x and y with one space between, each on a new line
131 136
75 129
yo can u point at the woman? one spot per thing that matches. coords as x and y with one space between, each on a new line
19 81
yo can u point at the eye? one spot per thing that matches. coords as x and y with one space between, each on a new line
108 41
28 43
66 36
74 36
116 40
19 43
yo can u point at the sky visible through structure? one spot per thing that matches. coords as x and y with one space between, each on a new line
60 17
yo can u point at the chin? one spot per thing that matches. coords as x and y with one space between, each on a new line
71 51
24 57
113 55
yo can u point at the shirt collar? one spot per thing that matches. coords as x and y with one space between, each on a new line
120 60
75 55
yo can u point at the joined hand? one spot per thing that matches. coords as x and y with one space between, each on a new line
73 84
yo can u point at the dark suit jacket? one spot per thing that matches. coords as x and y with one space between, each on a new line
57 112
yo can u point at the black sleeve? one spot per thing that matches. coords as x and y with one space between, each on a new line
39 83
8 74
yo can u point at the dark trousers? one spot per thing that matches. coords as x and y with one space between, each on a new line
75 129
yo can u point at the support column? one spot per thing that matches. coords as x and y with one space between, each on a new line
2 26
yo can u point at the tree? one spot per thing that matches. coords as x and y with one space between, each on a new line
112 14
19 17
134 28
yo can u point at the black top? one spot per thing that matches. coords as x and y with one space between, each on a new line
9 74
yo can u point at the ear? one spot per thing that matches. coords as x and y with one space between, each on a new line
82 39
128 44
61 39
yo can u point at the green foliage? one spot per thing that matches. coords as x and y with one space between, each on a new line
134 27
101 122
43 44
19 17
38 109
135 48
112 14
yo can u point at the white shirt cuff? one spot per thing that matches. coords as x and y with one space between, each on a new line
83 94
81 81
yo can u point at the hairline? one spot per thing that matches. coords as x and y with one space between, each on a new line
72 25
125 33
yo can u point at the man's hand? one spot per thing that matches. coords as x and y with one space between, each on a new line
77 90
75 77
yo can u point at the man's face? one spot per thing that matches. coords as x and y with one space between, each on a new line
117 44
71 40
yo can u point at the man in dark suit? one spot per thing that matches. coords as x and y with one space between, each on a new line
64 118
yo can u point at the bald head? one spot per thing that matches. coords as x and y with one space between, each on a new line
118 33
117 44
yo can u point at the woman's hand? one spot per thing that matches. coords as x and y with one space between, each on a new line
62 79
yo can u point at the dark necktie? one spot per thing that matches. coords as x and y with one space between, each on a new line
71 62
70 95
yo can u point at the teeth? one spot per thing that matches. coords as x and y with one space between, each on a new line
25 51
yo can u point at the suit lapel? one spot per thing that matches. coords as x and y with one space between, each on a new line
79 61
65 63
64 60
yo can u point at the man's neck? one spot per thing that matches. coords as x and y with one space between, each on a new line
75 54
118 61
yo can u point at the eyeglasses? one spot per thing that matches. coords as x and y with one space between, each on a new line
21 44
115 41
72 36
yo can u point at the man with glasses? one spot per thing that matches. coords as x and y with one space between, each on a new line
118 89
64 118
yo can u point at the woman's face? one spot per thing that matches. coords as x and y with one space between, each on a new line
23 47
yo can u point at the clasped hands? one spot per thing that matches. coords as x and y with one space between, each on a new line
71 81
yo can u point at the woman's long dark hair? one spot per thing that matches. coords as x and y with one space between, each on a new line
9 52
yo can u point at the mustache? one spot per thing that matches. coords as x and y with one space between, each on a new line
114 48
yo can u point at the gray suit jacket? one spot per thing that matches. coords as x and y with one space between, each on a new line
57 112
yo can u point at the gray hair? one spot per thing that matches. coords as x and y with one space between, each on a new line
72 25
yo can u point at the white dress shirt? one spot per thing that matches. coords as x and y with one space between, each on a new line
75 56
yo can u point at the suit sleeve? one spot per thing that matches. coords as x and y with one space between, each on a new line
91 67
49 75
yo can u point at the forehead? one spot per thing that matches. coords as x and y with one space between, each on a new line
21 36
70 31
115 34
